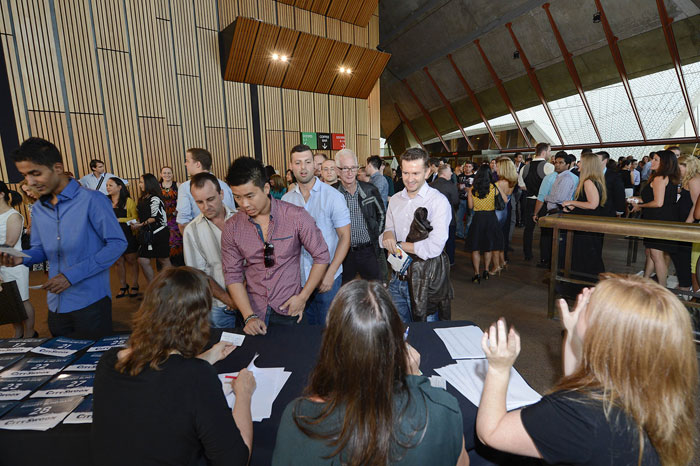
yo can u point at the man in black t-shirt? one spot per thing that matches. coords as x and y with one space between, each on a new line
464 180
530 178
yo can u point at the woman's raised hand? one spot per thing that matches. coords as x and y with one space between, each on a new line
501 347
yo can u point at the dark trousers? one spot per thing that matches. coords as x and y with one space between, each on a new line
529 226
362 261
274 318
546 235
450 245
521 207
681 260
93 319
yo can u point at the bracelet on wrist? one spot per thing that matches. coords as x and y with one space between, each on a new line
249 318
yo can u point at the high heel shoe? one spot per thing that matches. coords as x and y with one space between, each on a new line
134 292
123 292
476 279
496 271
485 275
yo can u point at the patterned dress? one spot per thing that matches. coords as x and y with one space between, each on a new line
170 199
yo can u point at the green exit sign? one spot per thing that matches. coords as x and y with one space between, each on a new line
309 139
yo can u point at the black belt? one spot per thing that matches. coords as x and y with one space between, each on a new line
360 246
402 278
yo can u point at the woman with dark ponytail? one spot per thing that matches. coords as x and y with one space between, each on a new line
11 226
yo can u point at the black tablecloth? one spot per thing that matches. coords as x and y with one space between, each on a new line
296 349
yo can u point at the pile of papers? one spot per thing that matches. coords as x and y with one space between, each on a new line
469 372
268 384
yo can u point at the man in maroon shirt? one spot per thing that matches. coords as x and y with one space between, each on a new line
261 250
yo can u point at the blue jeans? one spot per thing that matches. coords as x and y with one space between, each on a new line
221 317
318 304
461 212
402 300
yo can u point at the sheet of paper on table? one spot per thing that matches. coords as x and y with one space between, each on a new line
468 375
41 414
462 342
233 338
82 414
268 384
12 252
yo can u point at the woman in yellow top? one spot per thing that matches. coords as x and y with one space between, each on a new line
125 210
484 234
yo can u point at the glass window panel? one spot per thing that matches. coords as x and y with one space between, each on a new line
613 113
573 121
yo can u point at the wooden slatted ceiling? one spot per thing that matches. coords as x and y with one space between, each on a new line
357 12
314 62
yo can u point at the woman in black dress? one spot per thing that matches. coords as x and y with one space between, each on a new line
589 199
154 236
485 234
658 202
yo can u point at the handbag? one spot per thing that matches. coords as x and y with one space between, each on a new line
498 202
145 239
11 306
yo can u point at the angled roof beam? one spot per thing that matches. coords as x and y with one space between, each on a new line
449 108
475 101
572 69
673 50
617 57
502 91
408 123
426 115
534 81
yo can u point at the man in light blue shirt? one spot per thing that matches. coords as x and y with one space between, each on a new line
197 161
97 180
328 208
373 169
75 229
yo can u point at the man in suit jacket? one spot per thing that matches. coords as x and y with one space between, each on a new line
444 184
615 204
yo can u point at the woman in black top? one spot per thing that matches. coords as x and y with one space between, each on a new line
658 202
629 387
159 401
154 236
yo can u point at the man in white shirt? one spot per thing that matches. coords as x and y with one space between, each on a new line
97 180
202 244
197 161
399 216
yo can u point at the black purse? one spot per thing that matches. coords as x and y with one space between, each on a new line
145 238
499 203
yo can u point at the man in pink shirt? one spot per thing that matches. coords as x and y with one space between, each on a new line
261 251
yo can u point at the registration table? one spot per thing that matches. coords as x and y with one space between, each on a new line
294 348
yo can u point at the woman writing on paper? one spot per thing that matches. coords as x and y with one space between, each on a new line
629 387
159 401
365 403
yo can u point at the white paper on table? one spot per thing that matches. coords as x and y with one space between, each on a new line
233 338
462 342
468 375
12 252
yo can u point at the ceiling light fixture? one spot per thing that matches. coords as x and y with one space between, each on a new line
284 58
348 70
342 70
596 17
275 56
516 55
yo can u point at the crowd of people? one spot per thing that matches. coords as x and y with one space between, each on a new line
363 251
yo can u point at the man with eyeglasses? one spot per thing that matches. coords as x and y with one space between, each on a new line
327 207
366 221
261 252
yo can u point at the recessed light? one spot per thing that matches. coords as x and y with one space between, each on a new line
275 56
342 70
348 71
283 58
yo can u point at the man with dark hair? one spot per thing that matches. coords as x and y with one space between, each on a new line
366 222
448 189
530 179
75 229
518 204
399 216
319 158
374 171
261 252
433 165
97 180
615 205
327 207
202 244
197 161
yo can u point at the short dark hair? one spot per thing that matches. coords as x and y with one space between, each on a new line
433 161
560 155
200 179
202 156
321 154
541 148
244 170
415 153
443 159
587 150
672 148
38 151
299 148
94 162
375 161
570 158
603 155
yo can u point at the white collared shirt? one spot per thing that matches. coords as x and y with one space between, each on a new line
201 243
399 216
91 181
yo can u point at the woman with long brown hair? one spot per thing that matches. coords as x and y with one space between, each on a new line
365 403
658 202
629 387
159 401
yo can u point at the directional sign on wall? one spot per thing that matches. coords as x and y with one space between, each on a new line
323 141
337 141
309 139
